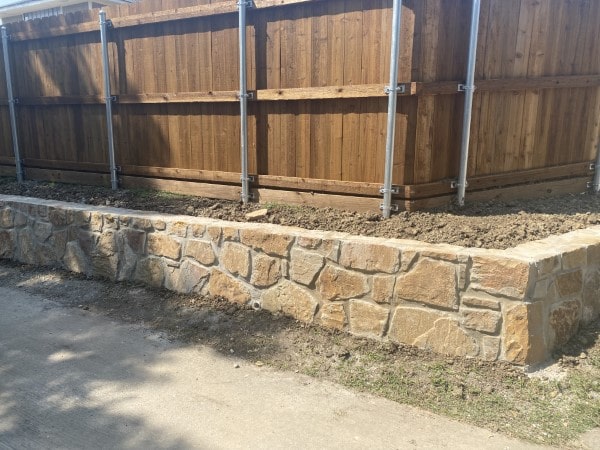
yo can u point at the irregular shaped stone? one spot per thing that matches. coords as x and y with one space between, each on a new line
574 259
163 245
236 259
96 221
26 248
523 334
266 271
187 278
340 284
333 316
480 302
105 266
448 338
430 282
57 217
201 251
291 300
7 238
222 285
569 284
564 321
367 319
257 215
141 223
135 240
87 241
305 266
409 323
111 222
591 296
58 242
107 243
178 229
197 230
480 320
42 231
501 275
7 218
20 219
310 243
127 264
271 243
75 260
383 288
490 348
370 257
150 271
159 224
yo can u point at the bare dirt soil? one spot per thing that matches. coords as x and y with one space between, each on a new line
554 407
492 224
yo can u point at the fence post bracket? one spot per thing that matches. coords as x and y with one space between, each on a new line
399 89
393 190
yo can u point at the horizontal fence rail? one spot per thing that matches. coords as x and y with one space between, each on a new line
317 72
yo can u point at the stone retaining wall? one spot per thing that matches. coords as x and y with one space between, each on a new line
513 305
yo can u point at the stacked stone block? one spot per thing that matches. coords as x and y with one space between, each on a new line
514 305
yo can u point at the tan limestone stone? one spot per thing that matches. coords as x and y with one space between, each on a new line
197 230
448 338
430 282
257 215
135 240
291 300
330 249
230 234
548 265
236 259
591 296
58 242
409 323
42 231
111 222
266 271
570 283
524 341
222 285
150 271
141 223
367 319
20 219
87 241
57 217
127 264
187 278
501 275
105 266
309 242
481 320
178 229
340 284
163 245
574 259
593 254
490 348
75 259
7 241
564 321
96 221
7 218
475 301
107 243
369 257
201 251
408 259
214 232
275 244
305 266
159 224
333 316
383 288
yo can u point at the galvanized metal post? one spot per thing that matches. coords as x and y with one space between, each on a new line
596 182
245 179
392 90
469 89
11 106
108 99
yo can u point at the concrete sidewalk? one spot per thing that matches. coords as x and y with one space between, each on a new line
73 379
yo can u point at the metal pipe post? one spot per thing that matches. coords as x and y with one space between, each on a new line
596 185
392 91
11 106
469 89
245 179
108 99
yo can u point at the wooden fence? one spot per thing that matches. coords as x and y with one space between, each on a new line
317 122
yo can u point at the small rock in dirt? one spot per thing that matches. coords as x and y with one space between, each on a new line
583 355
257 215
259 363
329 355
190 210
231 310
236 366
231 350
